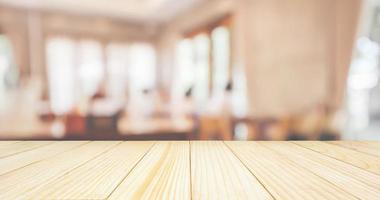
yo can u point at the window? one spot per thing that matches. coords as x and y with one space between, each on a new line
91 67
77 70
363 88
221 59
61 71
185 74
142 68
201 64
5 59
117 70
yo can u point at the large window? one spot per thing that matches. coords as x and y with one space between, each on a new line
61 74
117 70
142 68
221 58
78 69
203 62
185 75
6 59
363 88
91 67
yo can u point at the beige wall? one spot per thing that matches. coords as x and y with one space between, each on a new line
290 53
295 53
300 52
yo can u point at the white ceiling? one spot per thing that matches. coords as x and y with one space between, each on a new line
146 10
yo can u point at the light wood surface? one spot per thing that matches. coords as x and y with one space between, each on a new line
189 170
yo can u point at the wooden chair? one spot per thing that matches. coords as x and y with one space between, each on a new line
75 125
219 127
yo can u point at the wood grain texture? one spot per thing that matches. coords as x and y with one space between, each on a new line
372 148
97 178
218 174
16 161
368 178
12 148
4 143
16 184
283 178
338 176
189 170
353 157
164 173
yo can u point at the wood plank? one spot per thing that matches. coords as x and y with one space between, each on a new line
369 178
16 184
18 147
282 178
177 170
374 144
337 176
218 174
372 148
163 173
97 178
16 161
353 157
4 143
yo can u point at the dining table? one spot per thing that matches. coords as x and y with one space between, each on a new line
190 170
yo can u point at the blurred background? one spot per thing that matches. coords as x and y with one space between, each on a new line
190 69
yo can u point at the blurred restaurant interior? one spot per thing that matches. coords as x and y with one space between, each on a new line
189 69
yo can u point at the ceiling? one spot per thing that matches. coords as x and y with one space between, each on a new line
139 10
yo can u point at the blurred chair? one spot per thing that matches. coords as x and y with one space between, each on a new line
216 120
310 124
75 125
156 128
102 118
211 127
278 129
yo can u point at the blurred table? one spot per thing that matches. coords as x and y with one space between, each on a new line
189 170
34 129
163 128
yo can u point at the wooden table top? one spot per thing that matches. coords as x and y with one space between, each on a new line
189 170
